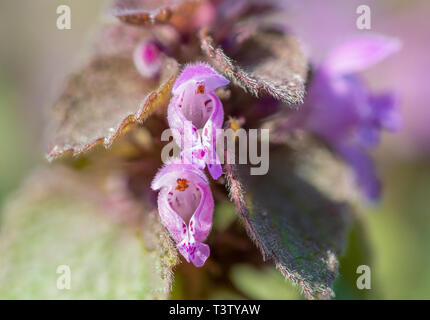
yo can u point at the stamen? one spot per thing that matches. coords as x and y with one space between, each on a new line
200 89
182 184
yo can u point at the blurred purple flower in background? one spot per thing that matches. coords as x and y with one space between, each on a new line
340 109
404 73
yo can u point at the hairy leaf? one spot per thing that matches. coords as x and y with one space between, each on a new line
56 220
268 62
149 12
108 96
317 164
291 221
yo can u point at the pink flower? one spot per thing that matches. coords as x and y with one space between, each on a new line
185 205
195 113
148 59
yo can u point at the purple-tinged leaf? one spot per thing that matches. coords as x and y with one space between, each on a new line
317 164
151 12
267 62
108 96
291 221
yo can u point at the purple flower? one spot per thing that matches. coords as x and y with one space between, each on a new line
195 113
185 205
148 59
340 109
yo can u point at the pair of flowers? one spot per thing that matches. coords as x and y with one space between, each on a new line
339 109
185 201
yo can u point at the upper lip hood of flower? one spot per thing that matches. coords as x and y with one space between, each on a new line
360 53
200 72
166 176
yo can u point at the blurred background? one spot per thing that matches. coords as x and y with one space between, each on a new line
35 56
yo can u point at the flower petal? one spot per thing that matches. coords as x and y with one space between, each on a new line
195 252
168 174
360 53
201 222
363 168
386 114
200 72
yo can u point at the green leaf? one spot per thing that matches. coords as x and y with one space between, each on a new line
292 222
43 228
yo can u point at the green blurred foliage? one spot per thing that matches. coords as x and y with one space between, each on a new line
400 232
224 215
34 58
267 283
106 260
13 160
358 252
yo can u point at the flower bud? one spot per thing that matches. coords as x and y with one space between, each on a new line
148 59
